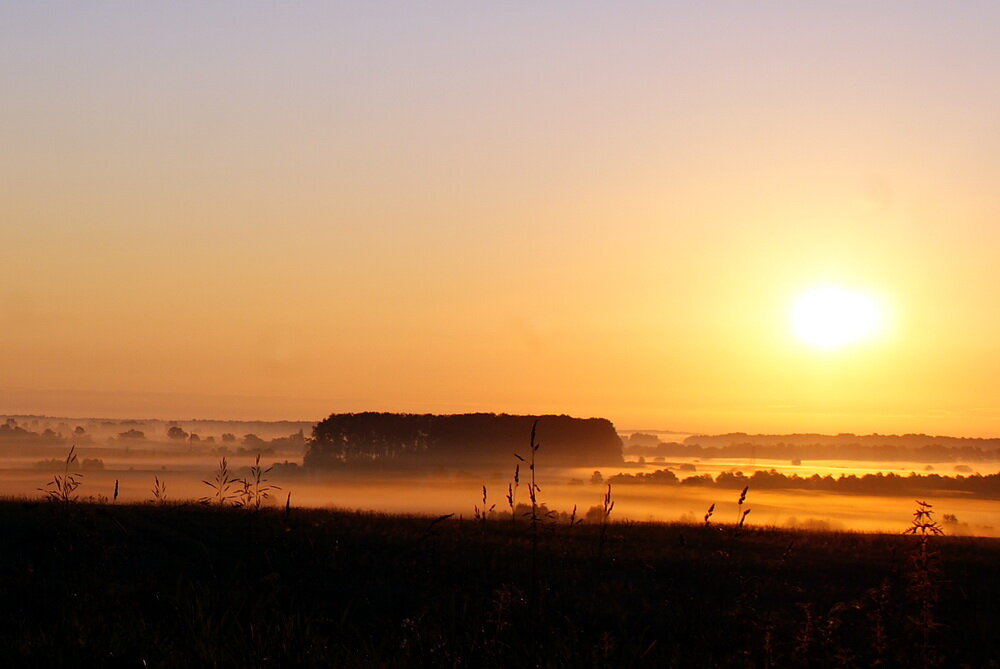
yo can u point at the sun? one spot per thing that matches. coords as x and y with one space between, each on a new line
831 317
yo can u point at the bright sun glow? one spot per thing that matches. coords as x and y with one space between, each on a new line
830 317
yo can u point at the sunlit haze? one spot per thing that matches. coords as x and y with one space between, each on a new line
265 211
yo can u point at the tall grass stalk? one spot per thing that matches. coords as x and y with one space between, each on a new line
923 577
533 491
607 507
256 487
512 494
740 516
159 491
482 515
223 486
62 487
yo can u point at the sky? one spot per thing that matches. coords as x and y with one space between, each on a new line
283 210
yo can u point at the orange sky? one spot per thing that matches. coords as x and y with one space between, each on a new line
281 212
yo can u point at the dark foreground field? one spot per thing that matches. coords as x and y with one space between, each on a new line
187 585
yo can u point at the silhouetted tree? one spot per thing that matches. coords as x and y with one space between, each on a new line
252 441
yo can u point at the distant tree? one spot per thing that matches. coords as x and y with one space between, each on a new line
131 434
597 478
92 463
640 439
594 515
10 429
194 437
660 476
210 439
252 441
80 435
295 441
176 433
228 436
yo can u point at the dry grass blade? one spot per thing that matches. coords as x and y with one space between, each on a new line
159 491
256 489
741 515
607 507
62 488
481 515
223 486
512 492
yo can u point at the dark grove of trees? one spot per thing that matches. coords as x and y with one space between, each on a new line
975 485
453 439
11 432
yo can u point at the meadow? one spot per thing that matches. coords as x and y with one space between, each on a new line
120 565
108 462
173 584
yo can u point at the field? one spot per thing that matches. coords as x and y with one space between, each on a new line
133 465
172 585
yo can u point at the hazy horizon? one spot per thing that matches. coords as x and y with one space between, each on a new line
57 404
726 217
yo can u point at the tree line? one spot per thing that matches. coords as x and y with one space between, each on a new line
844 438
819 451
978 485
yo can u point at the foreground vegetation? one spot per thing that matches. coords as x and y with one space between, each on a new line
167 585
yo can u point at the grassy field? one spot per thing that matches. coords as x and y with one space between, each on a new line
170 585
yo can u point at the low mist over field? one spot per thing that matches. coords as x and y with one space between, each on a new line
790 483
